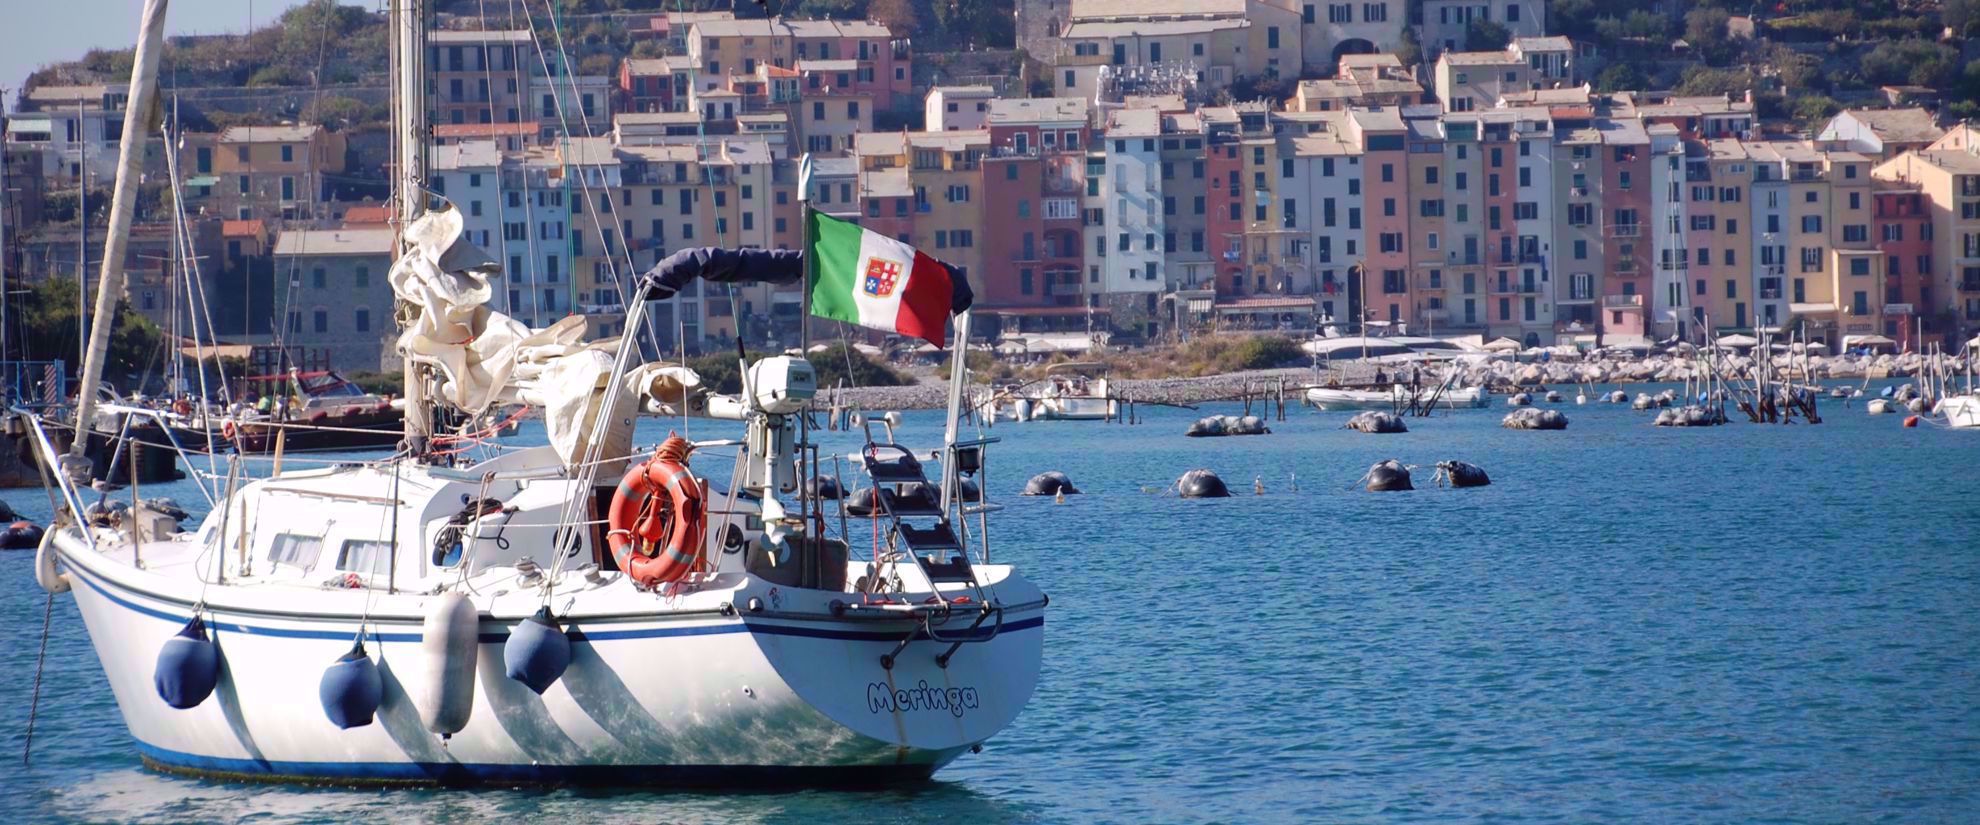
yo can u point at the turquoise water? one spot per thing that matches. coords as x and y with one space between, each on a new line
1730 624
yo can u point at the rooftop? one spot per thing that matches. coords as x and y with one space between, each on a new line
334 242
69 94
1134 123
243 229
1499 58
270 134
1543 44
488 130
468 154
885 183
1151 28
479 36
1011 111
1912 125
1129 9
658 65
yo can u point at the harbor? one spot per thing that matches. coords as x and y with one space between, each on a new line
324 503
1629 622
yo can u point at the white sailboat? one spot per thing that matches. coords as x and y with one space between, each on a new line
412 620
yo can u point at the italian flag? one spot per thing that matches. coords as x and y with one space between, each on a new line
866 278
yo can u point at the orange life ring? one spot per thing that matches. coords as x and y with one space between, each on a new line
228 430
657 517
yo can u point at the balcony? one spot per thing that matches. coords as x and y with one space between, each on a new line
1465 258
1578 296
1770 295
1626 268
1622 302
1436 314
1058 185
1969 285
1626 230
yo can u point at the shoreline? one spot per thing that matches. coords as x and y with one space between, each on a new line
930 391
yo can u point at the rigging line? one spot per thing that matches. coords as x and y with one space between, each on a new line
40 660
195 304
625 289
501 197
529 208
564 127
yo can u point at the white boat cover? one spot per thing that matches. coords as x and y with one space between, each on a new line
484 358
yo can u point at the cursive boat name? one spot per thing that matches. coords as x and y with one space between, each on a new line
880 698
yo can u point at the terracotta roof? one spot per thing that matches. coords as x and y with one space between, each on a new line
243 229
466 130
367 214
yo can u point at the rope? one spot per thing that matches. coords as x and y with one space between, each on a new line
34 703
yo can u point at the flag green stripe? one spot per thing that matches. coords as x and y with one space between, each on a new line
834 263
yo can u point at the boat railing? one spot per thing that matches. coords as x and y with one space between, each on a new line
51 463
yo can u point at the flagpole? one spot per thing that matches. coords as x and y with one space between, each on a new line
805 229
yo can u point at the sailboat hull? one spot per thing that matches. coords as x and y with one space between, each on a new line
1962 411
686 694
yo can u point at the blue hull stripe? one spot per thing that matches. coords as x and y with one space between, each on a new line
579 634
428 773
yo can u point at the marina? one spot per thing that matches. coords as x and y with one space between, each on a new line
810 511
1410 656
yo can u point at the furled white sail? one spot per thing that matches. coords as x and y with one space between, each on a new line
483 358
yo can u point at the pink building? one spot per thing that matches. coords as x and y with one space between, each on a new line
1903 230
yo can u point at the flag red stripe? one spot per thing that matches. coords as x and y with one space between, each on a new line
925 305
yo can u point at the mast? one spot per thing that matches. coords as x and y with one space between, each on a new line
409 130
82 231
130 158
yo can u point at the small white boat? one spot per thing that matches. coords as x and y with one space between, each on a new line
1076 391
1328 398
1960 411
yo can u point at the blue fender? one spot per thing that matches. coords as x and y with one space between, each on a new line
351 689
537 652
188 667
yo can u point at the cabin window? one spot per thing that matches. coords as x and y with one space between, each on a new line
363 556
297 550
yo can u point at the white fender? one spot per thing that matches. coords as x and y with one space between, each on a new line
450 642
46 574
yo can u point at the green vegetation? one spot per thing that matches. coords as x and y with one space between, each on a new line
49 330
1486 36
376 383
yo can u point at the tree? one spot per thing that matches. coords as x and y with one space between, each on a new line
47 314
1960 15
1812 111
1618 77
1410 50
1486 36
898 15
1705 30
1894 62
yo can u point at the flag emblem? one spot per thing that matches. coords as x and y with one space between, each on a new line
881 276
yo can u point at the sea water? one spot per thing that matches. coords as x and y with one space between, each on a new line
1740 623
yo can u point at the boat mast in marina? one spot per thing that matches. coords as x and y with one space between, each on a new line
140 113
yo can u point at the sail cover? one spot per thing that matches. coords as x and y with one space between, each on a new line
483 358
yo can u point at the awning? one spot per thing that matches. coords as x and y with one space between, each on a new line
1854 341
30 126
1811 309
1737 341
241 351
1503 345
203 180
